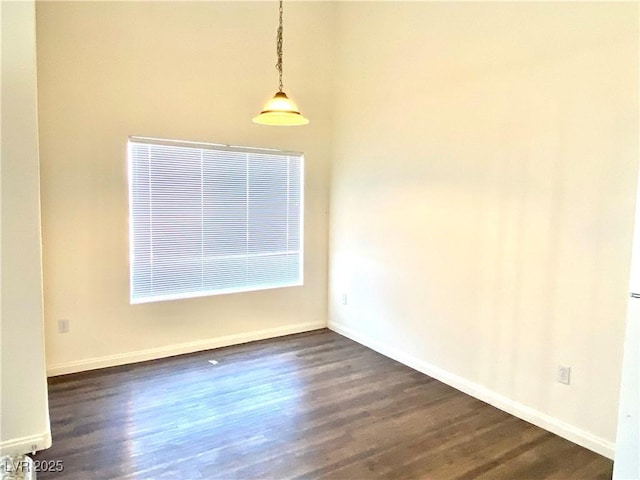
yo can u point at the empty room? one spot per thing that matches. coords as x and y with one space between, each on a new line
319 240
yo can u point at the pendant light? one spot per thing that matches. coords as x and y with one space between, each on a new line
280 110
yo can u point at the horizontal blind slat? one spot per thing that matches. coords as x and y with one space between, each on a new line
207 220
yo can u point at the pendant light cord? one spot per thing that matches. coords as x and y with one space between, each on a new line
280 110
279 48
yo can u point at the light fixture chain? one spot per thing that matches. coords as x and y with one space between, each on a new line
279 47
280 110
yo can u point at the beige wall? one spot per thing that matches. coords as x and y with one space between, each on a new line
24 414
184 70
483 160
482 198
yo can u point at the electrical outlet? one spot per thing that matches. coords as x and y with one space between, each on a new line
564 374
63 326
344 298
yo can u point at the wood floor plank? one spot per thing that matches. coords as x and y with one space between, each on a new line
307 406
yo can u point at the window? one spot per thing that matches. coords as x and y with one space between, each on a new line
211 219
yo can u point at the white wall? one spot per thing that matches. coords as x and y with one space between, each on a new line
185 70
482 198
24 414
627 456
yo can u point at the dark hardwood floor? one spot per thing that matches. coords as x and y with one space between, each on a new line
313 405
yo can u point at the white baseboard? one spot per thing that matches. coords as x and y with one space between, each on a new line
179 349
542 420
24 445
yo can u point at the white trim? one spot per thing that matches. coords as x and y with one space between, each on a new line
211 146
211 293
24 445
179 349
542 420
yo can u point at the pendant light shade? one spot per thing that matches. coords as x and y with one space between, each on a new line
280 110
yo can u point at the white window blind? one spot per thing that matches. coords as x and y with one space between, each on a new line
208 219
